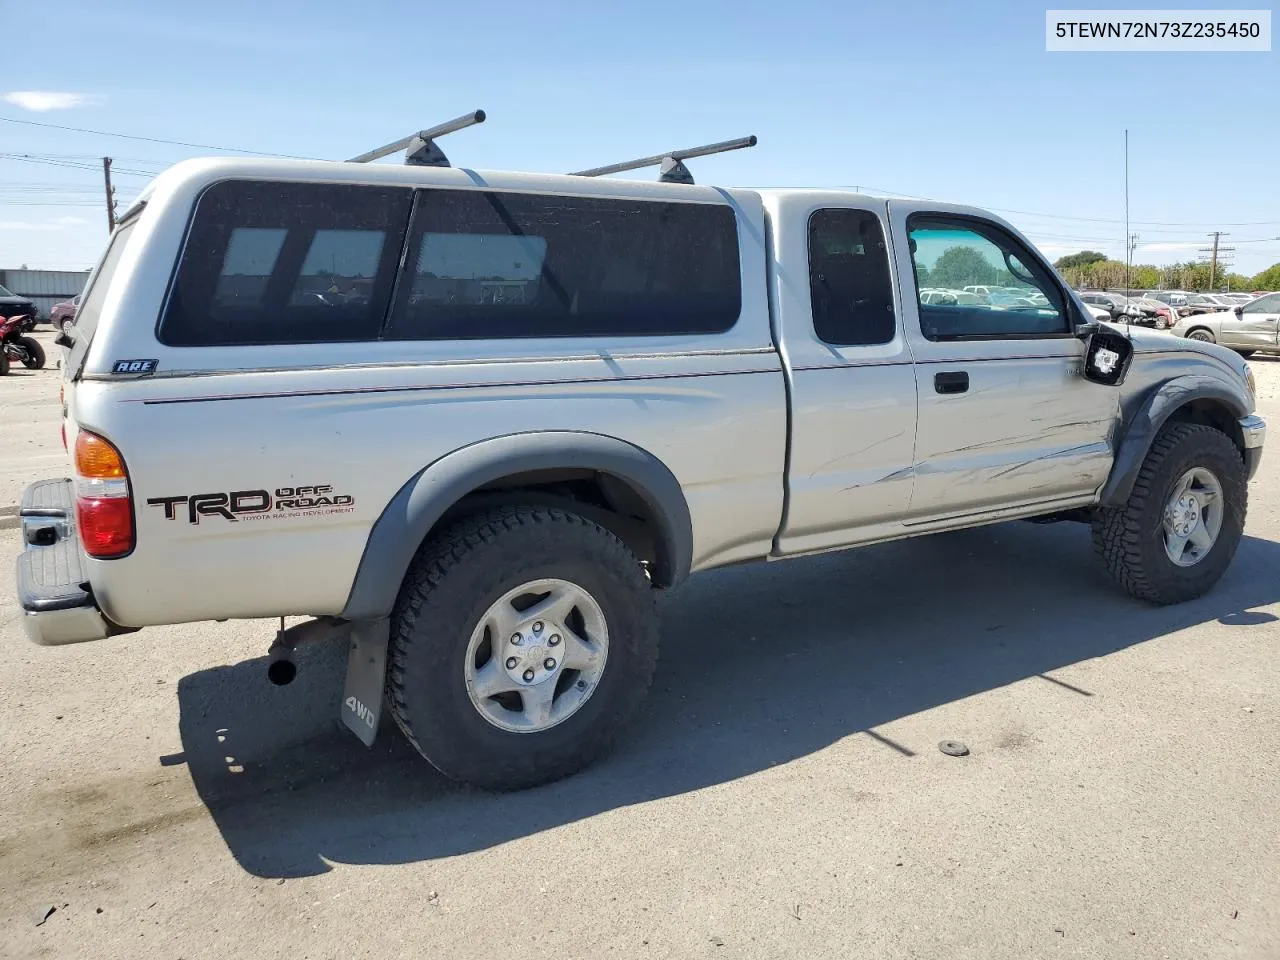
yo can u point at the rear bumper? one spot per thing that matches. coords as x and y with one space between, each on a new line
1254 430
53 586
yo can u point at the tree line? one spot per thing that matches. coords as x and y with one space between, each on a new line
1088 268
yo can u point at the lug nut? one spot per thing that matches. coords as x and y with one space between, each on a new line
537 627
528 675
555 640
517 639
511 663
549 663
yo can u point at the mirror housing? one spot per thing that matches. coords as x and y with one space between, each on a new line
1238 310
1107 357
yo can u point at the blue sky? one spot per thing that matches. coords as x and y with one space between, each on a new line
950 101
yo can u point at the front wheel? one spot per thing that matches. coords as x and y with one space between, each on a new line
1177 533
523 639
1246 353
34 358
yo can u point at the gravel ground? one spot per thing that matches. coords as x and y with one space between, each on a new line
782 794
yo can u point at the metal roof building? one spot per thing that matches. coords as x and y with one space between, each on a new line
45 287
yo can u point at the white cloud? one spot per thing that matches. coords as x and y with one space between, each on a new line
69 221
41 101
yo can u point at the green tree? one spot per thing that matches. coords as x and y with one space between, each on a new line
1081 259
1234 282
1268 279
961 267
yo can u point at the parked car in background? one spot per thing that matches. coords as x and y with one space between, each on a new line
1246 328
1117 305
1155 314
12 305
64 312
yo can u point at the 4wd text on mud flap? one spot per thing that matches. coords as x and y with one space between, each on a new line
231 506
360 710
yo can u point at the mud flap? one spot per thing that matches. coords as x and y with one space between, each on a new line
366 676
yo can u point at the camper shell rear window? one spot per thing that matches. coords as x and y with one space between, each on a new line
284 263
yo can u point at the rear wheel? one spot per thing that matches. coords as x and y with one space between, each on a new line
1246 353
523 639
1203 335
35 353
1180 528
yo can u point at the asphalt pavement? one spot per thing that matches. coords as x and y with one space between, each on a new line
782 793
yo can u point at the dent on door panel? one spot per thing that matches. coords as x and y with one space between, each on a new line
1027 430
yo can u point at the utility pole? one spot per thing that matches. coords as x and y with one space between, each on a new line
111 193
1128 255
1214 252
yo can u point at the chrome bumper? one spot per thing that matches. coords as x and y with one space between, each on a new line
1254 430
53 588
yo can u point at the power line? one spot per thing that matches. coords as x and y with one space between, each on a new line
172 143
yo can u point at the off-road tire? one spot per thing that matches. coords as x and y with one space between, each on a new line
1129 539
453 581
35 353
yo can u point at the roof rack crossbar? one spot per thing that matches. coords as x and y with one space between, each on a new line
671 162
420 149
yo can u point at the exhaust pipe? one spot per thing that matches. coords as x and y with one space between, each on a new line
281 667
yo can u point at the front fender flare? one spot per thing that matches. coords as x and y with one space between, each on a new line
1155 411
425 498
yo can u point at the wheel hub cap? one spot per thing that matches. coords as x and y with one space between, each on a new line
536 655
1193 517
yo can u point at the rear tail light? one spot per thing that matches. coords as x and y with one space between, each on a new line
104 504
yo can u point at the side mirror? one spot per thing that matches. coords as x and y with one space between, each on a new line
1107 357
1238 310
1087 328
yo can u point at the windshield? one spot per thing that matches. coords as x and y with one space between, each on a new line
4 292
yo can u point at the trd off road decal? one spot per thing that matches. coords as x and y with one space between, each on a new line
312 501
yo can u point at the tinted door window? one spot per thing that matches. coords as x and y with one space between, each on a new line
502 265
287 263
849 282
1021 298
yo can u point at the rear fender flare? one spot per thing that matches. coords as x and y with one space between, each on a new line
430 493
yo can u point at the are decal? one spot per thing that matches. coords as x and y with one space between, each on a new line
134 366
316 500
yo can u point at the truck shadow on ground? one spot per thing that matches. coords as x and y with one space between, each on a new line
760 665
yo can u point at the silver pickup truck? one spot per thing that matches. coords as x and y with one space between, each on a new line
472 421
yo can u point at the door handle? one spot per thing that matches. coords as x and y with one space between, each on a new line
955 381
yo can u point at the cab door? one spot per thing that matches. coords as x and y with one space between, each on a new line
851 386
1005 418
1257 326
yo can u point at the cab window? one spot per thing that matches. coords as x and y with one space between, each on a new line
1010 295
849 281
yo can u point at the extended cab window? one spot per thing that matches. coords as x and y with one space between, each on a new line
977 282
502 265
273 263
849 283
